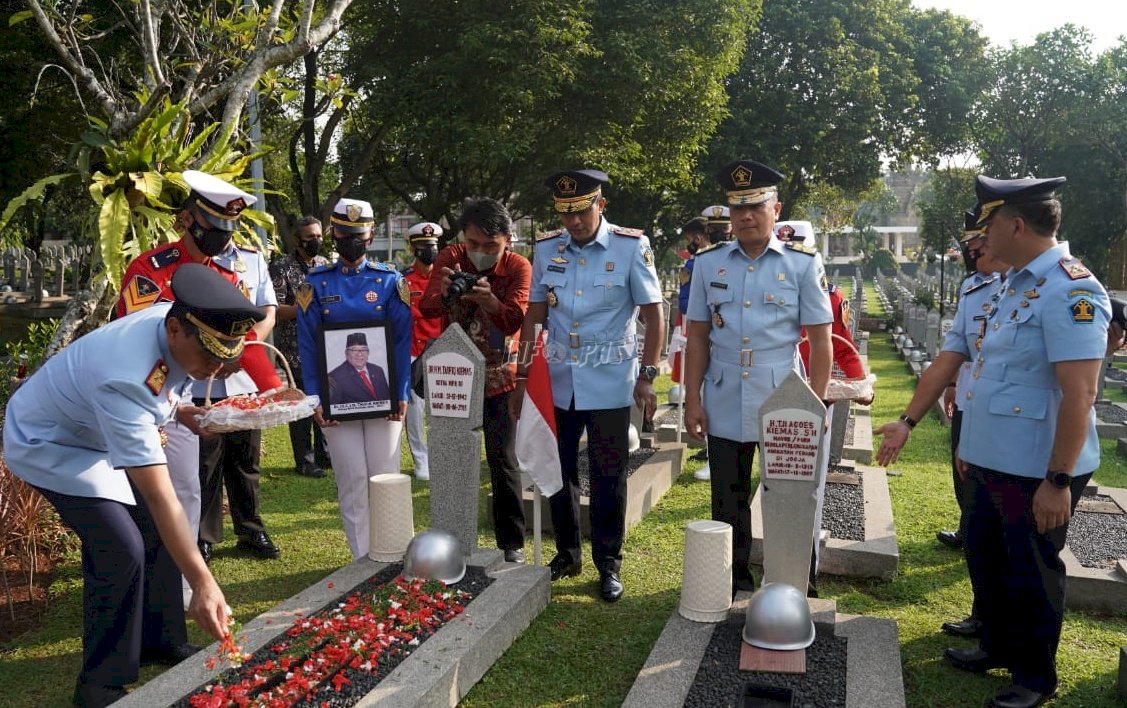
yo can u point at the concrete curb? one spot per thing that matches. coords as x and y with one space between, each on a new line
1096 589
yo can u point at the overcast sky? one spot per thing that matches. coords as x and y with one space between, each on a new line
1003 21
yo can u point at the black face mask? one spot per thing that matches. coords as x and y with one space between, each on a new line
211 242
351 248
427 255
693 248
311 246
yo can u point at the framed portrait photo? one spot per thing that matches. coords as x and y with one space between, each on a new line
359 370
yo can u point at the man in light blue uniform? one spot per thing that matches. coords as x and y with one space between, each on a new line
356 290
748 301
590 281
1028 437
85 430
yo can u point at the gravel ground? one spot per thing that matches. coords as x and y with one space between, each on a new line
1115 374
361 682
1110 413
1098 540
669 416
843 511
719 681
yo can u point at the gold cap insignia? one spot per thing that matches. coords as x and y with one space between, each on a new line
741 176
566 185
235 206
428 230
241 327
353 211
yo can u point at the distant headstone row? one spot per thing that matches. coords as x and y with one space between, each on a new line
46 274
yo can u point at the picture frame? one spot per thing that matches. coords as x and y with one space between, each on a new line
347 349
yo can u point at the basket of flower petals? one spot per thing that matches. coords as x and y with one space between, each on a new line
254 411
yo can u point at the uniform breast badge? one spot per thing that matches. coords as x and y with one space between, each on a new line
553 299
156 378
717 319
1083 312
303 296
560 259
371 296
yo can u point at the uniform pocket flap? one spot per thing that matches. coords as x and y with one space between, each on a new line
1020 403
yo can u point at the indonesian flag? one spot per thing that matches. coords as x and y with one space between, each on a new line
537 439
676 345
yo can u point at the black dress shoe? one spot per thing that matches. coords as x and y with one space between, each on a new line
951 539
702 455
514 555
1019 697
260 545
973 660
610 586
310 471
205 551
563 567
88 696
168 656
970 627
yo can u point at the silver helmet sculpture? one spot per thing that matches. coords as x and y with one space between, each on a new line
778 618
434 554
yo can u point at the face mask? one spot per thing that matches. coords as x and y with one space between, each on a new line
311 246
483 261
693 248
351 248
427 255
211 242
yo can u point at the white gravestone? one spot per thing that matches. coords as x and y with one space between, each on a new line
792 464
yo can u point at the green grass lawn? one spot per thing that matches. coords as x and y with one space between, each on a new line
873 308
584 652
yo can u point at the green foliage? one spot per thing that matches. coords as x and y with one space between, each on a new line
941 201
884 261
136 185
488 99
827 89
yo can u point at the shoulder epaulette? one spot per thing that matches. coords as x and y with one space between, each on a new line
409 270
981 285
710 247
549 235
381 266
802 248
321 268
631 233
246 247
1074 268
165 257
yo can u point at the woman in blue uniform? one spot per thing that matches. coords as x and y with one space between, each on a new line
356 290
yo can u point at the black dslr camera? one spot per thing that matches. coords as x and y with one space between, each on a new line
461 283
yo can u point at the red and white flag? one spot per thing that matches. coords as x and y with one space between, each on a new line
537 439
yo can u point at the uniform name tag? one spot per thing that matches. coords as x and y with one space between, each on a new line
330 298
557 269
722 286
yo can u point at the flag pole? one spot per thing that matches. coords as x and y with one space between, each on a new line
537 520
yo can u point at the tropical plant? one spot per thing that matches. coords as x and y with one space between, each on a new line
136 183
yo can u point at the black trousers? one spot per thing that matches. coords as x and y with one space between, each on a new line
306 438
730 467
504 476
1018 576
964 491
131 596
231 460
608 433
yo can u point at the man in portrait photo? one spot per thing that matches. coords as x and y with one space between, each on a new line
355 380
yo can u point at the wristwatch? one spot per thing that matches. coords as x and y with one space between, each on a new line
648 373
1059 479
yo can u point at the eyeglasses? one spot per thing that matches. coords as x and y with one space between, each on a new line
357 350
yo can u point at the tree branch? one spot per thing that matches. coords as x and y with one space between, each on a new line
108 104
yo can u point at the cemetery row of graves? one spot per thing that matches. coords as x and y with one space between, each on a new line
886 584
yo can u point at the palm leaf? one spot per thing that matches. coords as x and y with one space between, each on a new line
32 193
113 220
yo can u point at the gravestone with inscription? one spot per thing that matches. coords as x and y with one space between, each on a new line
792 465
455 390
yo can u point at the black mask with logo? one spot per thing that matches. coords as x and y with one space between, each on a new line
311 246
351 248
427 255
211 242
